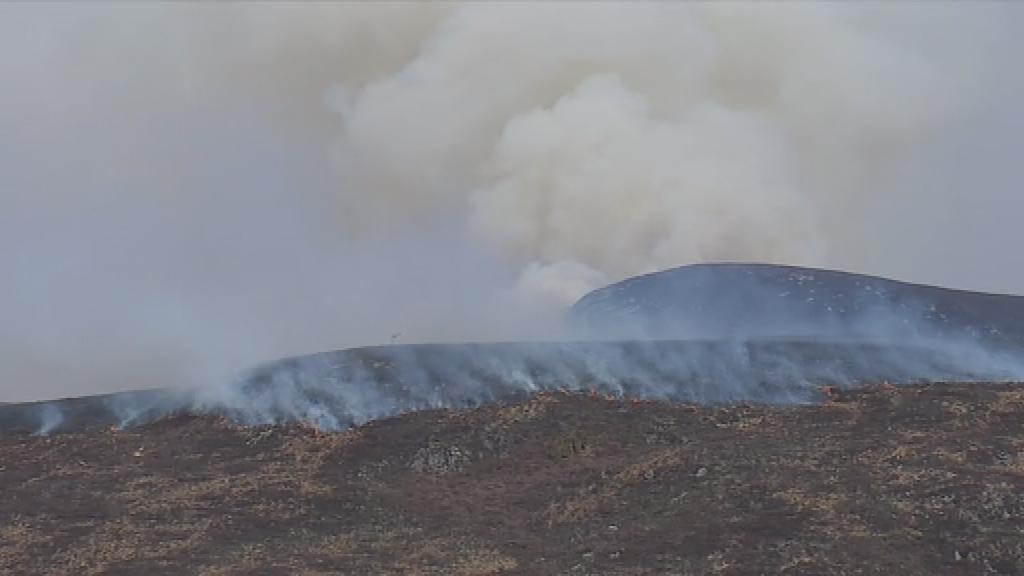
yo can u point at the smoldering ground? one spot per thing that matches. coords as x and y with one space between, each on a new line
333 391
190 190
708 334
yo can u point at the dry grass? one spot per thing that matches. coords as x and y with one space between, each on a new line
410 551
740 489
245 559
826 508
483 562
956 408
525 411
588 500
742 418
1008 401
17 539
1016 463
125 540
951 456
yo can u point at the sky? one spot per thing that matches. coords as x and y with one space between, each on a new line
187 189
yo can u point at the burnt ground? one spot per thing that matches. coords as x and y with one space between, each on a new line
916 480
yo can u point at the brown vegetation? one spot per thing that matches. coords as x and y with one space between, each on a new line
917 480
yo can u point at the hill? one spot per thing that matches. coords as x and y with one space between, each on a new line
910 480
754 301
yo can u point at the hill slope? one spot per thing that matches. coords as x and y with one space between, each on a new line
912 480
770 301
708 333
335 390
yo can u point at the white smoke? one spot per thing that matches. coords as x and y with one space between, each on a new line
627 138
188 189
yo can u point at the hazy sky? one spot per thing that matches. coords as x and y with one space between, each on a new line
186 189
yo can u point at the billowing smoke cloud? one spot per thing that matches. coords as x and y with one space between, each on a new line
190 189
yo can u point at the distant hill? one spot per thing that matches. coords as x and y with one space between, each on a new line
758 301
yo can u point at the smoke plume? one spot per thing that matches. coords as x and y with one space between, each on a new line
190 189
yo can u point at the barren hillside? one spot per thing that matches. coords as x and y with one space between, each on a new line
915 480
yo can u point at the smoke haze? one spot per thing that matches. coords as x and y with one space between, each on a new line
190 189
